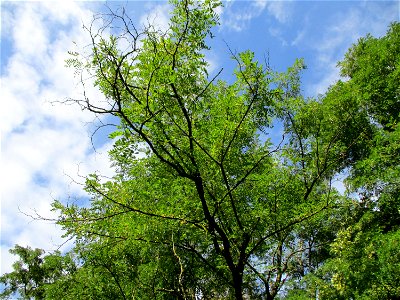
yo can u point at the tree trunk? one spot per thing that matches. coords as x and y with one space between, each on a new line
270 297
238 285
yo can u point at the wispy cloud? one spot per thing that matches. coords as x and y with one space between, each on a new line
299 37
280 10
238 14
277 32
157 16
342 30
237 19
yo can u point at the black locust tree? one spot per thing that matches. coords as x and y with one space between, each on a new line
204 205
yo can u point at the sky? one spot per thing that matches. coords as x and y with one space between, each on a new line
47 147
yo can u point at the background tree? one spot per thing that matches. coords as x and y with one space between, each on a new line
365 254
34 272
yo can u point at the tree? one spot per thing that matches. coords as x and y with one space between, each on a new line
373 67
207 193
365 259
204 204
33 272
366 254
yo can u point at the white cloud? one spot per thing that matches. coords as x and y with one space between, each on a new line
331 75
238 17
278 33
157 16
30 33
342 30
42 143
280 10
299 37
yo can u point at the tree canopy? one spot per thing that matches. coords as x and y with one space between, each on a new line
204 204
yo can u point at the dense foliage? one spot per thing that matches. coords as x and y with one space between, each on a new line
204 204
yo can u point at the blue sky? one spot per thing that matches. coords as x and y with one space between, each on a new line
46 147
